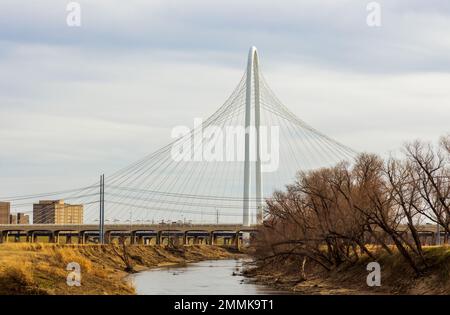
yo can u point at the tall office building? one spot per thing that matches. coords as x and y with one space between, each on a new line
5 208
57 212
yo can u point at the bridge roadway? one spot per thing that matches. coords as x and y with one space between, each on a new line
136 233
146 233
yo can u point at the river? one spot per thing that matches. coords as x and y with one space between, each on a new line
200 278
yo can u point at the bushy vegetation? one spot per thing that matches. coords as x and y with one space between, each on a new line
371 207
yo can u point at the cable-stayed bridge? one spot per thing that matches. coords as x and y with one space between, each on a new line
219 172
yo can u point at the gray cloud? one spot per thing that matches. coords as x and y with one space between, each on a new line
95 98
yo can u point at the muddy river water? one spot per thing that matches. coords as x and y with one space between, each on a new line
200 278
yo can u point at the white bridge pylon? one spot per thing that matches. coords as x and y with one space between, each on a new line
227 189
252 82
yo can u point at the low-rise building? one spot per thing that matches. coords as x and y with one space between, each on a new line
23 218
57 212
13 219
19 218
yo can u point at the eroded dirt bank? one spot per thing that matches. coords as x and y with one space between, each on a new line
396 276
41 268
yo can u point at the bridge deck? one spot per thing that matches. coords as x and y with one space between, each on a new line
127 227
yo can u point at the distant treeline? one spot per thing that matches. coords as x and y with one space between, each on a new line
335 215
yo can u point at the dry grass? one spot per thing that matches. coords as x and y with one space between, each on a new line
40 268
17 279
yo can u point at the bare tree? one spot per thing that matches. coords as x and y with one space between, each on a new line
406 196
330 216
445 143
431 175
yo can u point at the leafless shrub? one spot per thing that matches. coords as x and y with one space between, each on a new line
431 177
334 215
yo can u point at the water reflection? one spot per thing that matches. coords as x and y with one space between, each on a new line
206 277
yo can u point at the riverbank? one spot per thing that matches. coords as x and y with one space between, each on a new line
41 268
396 276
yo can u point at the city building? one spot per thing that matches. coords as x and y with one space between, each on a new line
19 218
5 208
57 212
23 218
13 219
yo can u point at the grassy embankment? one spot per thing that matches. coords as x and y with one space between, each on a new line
396 275
41 268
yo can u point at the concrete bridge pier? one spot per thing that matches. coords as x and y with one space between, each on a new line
148 241
211 238
29 237
185 238
56 236
80 237
132 238
4 237
138 239
51 238
158 238
107 237
172 237
236 240
436 238
84 238
141 240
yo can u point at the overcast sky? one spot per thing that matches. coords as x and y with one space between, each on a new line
79 101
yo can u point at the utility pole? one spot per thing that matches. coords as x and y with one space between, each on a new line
101 232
